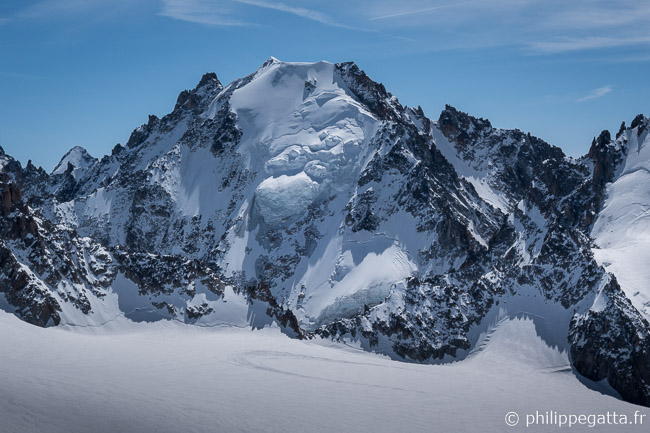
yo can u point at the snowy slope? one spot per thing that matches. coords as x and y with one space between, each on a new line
168 378
622 230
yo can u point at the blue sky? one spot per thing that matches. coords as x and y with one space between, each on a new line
87 72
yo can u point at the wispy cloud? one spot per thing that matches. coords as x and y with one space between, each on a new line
596 93
586 43
214 13
595 15
420 11
299 11
227 12
537 26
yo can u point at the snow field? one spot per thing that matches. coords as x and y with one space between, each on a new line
166 377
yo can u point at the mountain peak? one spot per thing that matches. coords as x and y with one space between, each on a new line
460 126
604 138
209 78
78 157
450 112
190 99
641 122
271 60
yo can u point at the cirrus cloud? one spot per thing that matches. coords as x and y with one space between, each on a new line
596 93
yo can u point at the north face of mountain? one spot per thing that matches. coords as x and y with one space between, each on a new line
305 194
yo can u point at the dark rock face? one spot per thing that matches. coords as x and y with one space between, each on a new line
613 343
371 94
34 305
139 135
227 135
56 256
117 149
10 196
68 189
530 169
166 274
191 99
361 216
209 79
462 128
610 343
606 157
286 318
186 100
18 226
641 122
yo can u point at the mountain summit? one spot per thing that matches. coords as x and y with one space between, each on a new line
306 195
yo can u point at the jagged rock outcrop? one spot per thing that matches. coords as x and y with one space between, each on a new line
612 341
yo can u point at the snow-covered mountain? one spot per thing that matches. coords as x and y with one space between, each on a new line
305 194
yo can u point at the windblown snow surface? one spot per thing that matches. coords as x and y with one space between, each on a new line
169 377
622 230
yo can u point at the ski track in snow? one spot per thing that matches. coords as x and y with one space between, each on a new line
167 377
